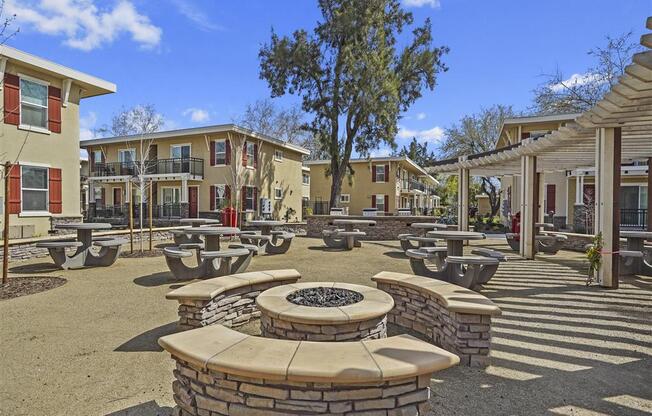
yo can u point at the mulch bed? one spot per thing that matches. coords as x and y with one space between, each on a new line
324 297
22 286
157 252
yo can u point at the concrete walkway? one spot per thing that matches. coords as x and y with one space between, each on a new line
89 346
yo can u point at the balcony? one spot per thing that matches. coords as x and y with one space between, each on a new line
633 219
192 165
413 185
121 212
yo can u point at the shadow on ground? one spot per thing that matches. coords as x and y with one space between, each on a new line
155 279
150 408
395 255
34 268
148 340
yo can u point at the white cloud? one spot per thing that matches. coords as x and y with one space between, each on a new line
195 15
576 80
86 125
83 24
197 115
383 152
420 3
434 134
421 116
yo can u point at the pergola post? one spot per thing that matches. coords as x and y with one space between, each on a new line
541 191
649 194
608 176
529 205
463 200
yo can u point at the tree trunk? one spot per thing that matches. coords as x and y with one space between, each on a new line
336 185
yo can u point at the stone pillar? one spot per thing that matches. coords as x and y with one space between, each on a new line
184 209
608 176
463 200
529 205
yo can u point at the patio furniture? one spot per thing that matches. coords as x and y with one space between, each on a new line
229 261
279 242
346 237
222 371
550 243
424 227
83 256
181 237
455 319
636 242
514 241
464 271
258 240
226 300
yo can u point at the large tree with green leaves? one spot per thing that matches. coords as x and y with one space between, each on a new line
418 152
352 77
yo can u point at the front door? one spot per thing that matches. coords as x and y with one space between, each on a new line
117 196
192 202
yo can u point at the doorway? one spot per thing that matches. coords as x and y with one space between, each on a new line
193 210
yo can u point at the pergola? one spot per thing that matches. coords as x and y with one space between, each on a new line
616 130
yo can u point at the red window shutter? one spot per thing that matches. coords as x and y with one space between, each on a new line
55 190
373 201
244 154
212 196
373 173
91 159
227 146
387 172
54 109
255 155
14 189
550 198
212 150
12 100
386 203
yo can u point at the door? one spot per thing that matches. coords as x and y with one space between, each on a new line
117 196
181 157
193 211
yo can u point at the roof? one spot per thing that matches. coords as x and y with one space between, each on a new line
541 119
171 134
379 159
92 86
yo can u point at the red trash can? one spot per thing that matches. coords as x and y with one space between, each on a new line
229 217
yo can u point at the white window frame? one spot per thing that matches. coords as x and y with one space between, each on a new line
177 188
250 160
29 127
95 193
215 186
303 177
381 198
253 200
39 213
345 198
130 150
278 155
172 146
384 173
278 193
97 152
216 152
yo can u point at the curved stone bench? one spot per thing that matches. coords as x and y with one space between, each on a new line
334 239
453 318
109 250
227 300
251 247
405 243
487 252
513 240
224 372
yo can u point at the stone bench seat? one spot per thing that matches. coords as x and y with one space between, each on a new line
176 252
550 243
514 241
59 244
487 252
471 260
451 317
227 300
222 371
251 247
631 254
351 233
258 237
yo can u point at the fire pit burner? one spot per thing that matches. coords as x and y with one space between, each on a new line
324 297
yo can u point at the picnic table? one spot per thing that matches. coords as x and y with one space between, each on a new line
182 237
348 236
268 240
455 240
636 242
83 256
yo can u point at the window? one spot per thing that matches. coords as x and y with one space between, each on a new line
251 155
97 194
380 202
171 195
180 151
278 155
127 155
380 173
220 152
278 193
345 198
33 103
220 196
97 156
249 198
306 179
34 188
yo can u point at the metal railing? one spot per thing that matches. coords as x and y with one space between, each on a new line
192 165
159 211
633 218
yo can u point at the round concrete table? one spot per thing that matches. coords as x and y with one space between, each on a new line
365 319
455 240
429 226
265 226
83 256
197 222
212 235
636 242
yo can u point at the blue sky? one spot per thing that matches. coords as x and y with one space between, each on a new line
197 60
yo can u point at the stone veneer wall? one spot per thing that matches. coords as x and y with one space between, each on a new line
199 392
386 228
231 308
354 331
467 335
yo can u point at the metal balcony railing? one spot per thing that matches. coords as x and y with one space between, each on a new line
191 165
633 218
159 211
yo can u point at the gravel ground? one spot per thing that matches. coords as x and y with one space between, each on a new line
89 347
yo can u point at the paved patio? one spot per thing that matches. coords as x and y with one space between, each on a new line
89 346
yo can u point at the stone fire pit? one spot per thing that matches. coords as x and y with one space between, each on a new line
324 311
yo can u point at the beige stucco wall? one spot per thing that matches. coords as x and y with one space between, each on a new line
270 173
56 150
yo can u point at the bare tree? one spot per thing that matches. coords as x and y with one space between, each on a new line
579 92
478 133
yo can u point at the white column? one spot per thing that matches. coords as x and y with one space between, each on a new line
463 200
127 191
529 205
578 190
608 205
540 215
184 191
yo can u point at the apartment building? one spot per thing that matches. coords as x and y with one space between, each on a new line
196 172
40 137
384 183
